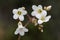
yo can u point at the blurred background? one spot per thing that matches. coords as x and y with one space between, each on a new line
8 24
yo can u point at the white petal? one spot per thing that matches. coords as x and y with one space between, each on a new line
34 7
33 13
44 13
15 16
15 11
40 6
21 32
47 18
17 31
40 21
20 9
24 12
38 16
21 18
25 30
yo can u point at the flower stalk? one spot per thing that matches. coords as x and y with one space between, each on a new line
18 37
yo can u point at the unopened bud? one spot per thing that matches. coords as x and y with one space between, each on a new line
23 7
41 30
41 26
34 21
48 8
19 23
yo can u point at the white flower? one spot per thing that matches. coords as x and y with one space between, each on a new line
19 13
21 30
38 11
44 19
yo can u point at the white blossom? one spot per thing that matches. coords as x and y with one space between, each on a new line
44 19
19 13
21 30
38 11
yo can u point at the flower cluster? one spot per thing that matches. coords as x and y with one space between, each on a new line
39 16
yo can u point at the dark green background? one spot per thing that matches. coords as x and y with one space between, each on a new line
8 24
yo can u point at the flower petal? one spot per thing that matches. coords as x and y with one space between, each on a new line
38 16
40 6
15 11
21 18
34 7
33 13
15 16
24 12
21 32
47 18
40 21
20 9
25 30
17 31
44 13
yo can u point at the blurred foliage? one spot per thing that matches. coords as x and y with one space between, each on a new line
51 28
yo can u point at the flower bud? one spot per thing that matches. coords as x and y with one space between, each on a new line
41 30
48 8
34 21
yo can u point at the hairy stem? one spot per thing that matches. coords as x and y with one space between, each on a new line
30 20
18 37
27 23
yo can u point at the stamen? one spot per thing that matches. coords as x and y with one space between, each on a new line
19 12
39 11
42 18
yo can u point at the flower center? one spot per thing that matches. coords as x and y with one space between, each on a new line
43 18
40 10
21 29
19 13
